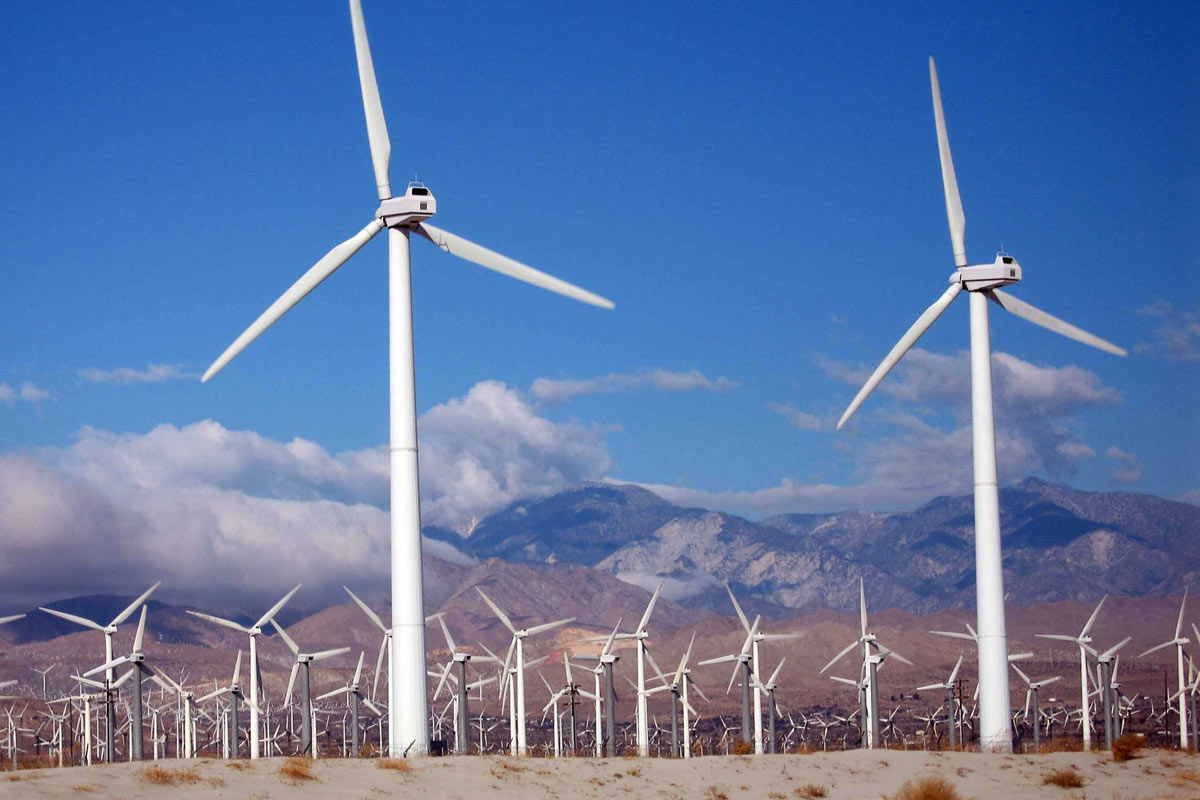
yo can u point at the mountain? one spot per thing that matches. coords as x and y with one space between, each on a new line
1059 544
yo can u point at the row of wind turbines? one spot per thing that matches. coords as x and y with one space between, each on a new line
408 214
873 724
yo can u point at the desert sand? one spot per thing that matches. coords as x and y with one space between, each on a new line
852 774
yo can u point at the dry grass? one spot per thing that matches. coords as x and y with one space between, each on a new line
741 748
167 777
297 770
1066 778
1185 778
1126 747
82 787
930 788
810 790
240 764
1061 746
715 793
396 764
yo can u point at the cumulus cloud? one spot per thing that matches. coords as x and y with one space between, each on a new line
234 515
1177 336
553 390
676 589
801 420
1127 469
153 373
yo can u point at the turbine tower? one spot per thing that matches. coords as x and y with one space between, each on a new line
402 216
982 282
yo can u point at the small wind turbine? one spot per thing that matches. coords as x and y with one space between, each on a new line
640 635
384 644
463 688
402 216
759 637
772 711
1106 674
1178 641
354 696
303 662
743 659
677 686
983 283
1083 640
518 636
234 690
1032 692
254 631
605 739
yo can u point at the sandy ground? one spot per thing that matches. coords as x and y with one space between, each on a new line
1157 774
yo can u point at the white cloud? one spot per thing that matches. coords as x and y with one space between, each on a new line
675 589
153 373
802 420
490 448
1177 338
1128 469
29 392
7 394
553 390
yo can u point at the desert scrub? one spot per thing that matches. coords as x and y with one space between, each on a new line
930 788
1066 778
395 764
297 770
811 790
715 793
166 777
1125 747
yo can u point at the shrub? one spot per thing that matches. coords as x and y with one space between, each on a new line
714 793
165 777
931 788
741 748
397 764
295 770
811 790
1126 747
1066 778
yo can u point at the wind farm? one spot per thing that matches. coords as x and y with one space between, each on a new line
530 564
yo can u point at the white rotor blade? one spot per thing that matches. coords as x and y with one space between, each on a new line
442 679
366 609
87 623
10 619
291 684
496 609
211 695
862 606
1110 651
741 615
1024 677
1157 647
749 643
548 626
1088 626
955 635
132 607
308 281
358 669
377 135
1051 323
846 681
1049 681
88 681
717 660
1179 624
906 342
838 657
931 687
116 662
775 674
683 661
237 669
286 639
696 686
954 672
611 637
641 628
374 708
446 633
954 209
275 608
378 667
218 620
323 654
887 651
458 246
141 630
334 693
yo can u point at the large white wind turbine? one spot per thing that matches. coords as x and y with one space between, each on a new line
983 282
402 216
1083 640
254 631
640 635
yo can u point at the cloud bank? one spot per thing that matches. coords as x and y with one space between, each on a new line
554 390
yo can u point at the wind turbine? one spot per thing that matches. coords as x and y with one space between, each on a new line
1034 686
1106 674
1083 640
459 657
605 739
234 690
303 662
769 688
677 686
870 666
137 658
384 644
254 631
402 216
1178 641
640 635
108 630
743 659
983 283
758 685
354 695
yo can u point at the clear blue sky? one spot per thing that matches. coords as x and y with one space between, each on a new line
755 187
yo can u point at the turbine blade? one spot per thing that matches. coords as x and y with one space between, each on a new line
213 694
717 660
1179 624
1110 651
291 684
775 674
887 651
683 661
334 693
323 654
377 135
286 639
1051 323
446 633
906 342
378 668
298 290
458 246
548 626
733 676
1024 677
955 635
839 656
132 607
275 608
237 669
862 606
641 628
954 672
749 643
374 708
141 630
87 623
10 618
1156 648
225 622
1087 627
1058 637
741 616
496 609
442 679
358 669
699 691
954 209
116 662
612 636
366 610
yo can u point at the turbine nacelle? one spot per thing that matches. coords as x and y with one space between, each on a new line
1003 271
415 205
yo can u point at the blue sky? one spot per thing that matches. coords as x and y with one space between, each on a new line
757 191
